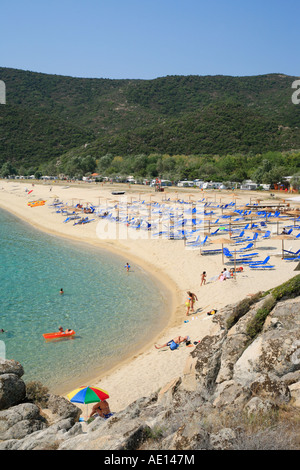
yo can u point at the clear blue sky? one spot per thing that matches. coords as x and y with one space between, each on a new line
147 39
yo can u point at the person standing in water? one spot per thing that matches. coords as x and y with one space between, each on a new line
127 266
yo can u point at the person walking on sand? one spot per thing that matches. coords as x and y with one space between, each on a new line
203 278
192 298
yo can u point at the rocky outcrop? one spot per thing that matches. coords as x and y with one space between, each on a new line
19 421
12 387
230 379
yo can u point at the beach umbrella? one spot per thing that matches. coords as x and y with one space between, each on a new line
256 231
235 197
209 220
283 237
294 214
86 395
222 241
277 219
231 214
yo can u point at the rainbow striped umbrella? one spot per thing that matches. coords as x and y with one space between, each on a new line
87 395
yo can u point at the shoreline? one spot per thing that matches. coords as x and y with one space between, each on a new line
173 267
161 281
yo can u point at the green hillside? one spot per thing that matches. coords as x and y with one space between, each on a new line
48 117
219 129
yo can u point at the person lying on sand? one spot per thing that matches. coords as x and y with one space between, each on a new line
178 340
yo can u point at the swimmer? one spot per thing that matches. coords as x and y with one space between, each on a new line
61 291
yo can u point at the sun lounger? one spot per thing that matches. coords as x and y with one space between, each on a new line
266 235
247 239
211 252
248 247
197 243
229 254
236 259
241 235
194 242
292 253
262 266
295 258
260 263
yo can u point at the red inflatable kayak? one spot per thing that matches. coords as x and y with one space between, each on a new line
59 334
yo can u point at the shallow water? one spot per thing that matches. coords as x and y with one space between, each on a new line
112 312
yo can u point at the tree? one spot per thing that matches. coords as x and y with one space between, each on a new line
38 175
8 169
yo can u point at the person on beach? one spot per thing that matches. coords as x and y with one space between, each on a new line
61 291
203 278
178 340
101 409
192 298
226 274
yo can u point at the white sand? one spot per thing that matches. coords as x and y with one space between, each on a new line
175 267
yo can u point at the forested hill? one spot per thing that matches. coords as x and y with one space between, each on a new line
47 116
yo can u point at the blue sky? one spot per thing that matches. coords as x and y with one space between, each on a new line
147 39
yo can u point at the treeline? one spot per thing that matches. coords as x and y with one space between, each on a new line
172 126
268 168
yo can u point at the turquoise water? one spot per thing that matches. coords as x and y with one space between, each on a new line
112 312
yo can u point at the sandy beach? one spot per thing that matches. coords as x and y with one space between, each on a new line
175 267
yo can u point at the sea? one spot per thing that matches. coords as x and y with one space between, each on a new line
113 312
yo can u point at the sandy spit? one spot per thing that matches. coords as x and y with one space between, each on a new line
174 267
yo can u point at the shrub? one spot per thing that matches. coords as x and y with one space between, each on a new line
256 324
242 308
288 289
37 393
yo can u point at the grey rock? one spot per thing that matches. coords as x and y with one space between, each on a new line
9 366
19 421
62 408
12 390
223 440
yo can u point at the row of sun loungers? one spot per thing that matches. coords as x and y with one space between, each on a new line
186 222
